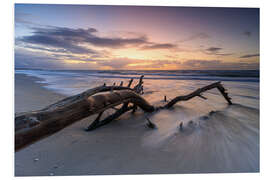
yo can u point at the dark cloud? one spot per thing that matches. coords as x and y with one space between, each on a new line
72 40
56 42
159 46
115 42
213 49
216 51
224 54
195 36
247 33
249 55
63 38
71 34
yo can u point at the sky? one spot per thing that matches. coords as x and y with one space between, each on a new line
135 37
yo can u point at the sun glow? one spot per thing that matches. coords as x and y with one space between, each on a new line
133 53
140 64
78 62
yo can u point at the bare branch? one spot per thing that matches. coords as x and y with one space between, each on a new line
198 92
130 82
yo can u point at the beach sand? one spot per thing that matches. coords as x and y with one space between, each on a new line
217 143
30 95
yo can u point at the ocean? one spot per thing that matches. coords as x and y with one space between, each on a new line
70 82
242 85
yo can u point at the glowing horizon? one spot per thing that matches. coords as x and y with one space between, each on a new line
135 37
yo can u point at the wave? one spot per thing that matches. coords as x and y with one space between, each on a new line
228 138
213 75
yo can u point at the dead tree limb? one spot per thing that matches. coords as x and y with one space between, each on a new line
198 92
130 82
77 98
34 125
96 121
150 124
110 118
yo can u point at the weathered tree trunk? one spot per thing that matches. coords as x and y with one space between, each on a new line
34 125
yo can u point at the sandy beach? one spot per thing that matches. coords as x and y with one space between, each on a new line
224 141
30 95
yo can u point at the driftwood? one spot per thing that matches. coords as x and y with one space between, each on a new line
34 125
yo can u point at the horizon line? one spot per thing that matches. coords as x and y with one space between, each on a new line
139 69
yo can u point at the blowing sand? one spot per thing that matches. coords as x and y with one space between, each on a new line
224 141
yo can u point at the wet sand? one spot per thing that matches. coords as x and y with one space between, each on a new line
226 140
31 95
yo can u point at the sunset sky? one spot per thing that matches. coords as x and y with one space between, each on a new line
135 37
